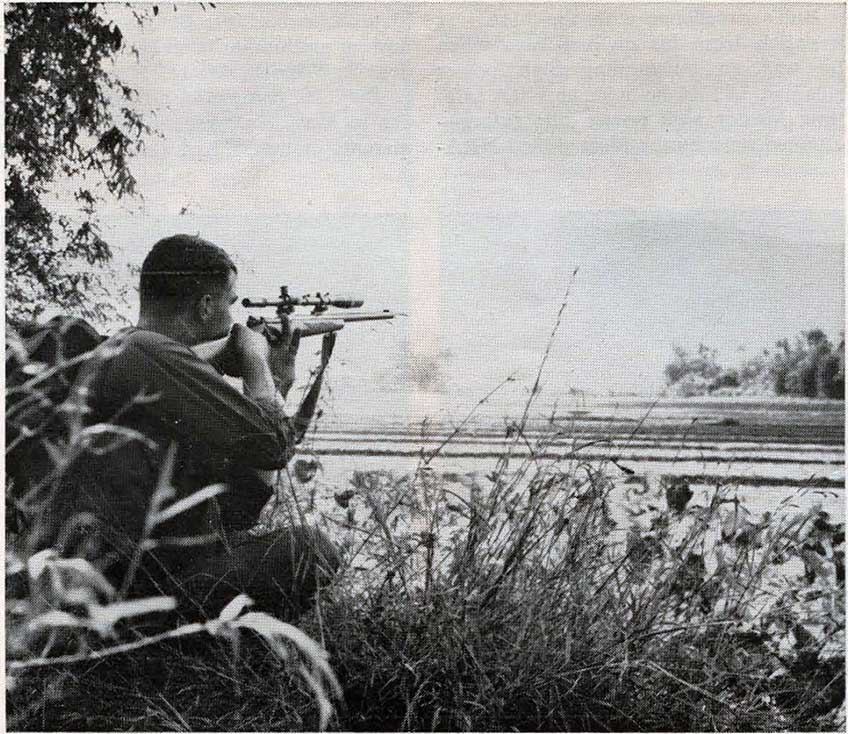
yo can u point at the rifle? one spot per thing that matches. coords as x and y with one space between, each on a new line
316 322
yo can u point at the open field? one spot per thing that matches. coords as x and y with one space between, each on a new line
769 449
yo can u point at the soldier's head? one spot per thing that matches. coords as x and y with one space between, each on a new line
189 278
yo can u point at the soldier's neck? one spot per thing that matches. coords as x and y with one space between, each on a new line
174 326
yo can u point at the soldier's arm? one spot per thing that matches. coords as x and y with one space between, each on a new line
196 402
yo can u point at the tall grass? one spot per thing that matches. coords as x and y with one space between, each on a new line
523 606
519 599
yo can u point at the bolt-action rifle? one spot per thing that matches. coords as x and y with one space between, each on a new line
319 321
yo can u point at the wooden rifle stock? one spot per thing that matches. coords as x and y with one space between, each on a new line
304 325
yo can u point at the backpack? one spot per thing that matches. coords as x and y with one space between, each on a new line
42 362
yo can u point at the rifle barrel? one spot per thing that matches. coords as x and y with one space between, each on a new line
307 325
346 317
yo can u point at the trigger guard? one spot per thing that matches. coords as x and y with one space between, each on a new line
274 336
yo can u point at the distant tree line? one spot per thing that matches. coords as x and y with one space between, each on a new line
808 367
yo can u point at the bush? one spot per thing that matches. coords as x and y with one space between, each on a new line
523 604
728 378
699 368
809 367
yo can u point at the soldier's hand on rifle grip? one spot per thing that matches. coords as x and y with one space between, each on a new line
283 355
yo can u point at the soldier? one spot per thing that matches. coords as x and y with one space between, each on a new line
149 383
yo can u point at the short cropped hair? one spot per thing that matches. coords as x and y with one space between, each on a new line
182 268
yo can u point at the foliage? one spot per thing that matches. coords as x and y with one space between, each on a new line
524 603
71 128
810 367
693 374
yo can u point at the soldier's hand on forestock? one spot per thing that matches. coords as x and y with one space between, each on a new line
283 355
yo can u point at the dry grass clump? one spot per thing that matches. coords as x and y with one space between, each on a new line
523 604
520 606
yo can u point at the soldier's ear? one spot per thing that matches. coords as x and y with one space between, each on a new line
204 307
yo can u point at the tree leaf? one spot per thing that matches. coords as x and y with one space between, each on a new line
38 562
56 618
82 570
194 499
235 607
268 626
103 618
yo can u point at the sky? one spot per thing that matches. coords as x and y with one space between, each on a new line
458 163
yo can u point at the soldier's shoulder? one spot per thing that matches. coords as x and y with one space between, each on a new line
132 339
